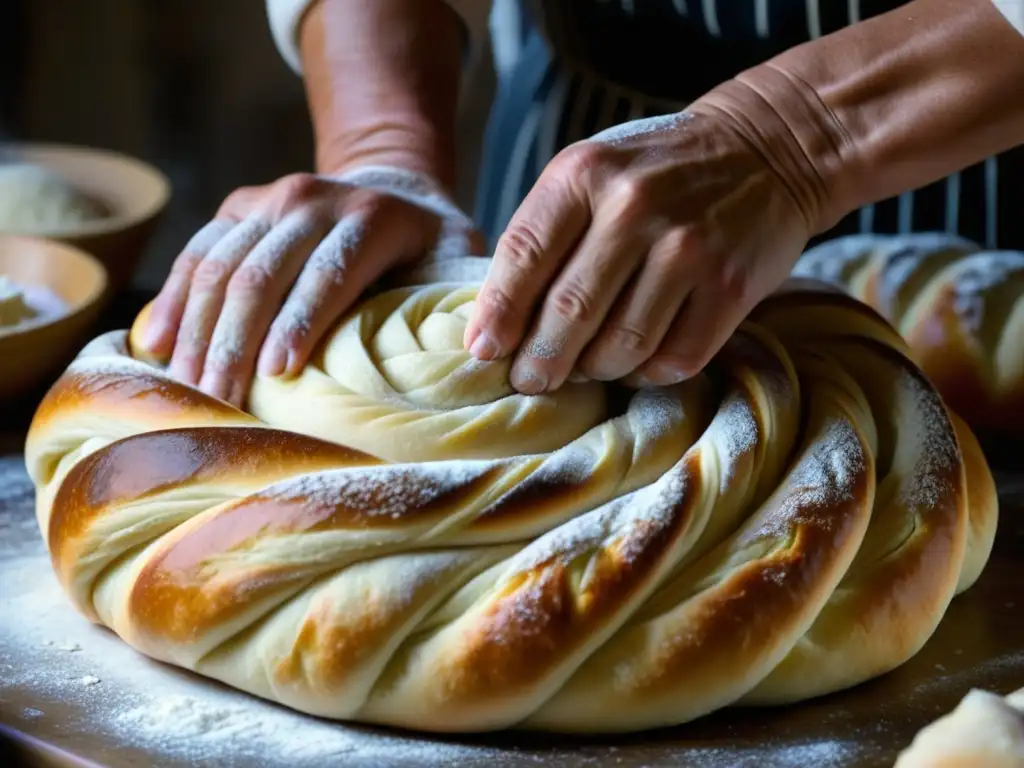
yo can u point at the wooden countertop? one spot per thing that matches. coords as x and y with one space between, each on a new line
980 643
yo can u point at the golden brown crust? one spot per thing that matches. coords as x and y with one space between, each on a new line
428 559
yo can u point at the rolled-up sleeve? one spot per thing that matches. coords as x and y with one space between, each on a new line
1013 10
286 15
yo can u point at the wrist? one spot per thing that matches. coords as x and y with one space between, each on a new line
397 144
907 97
796 135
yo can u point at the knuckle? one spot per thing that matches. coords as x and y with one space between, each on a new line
573 303
238 197
186 264
497 303
250 279
297 187
210 274
581 157
629 193
676 242
734 283
634 341
520 247
220 364
294 324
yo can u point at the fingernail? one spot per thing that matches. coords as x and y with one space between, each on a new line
273 360
151 336
527 379
295 363
577 378
663 374
484 347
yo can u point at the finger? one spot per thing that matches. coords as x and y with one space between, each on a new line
206 296
360 248
578 302
169 305
707 320
638 323
254 294
531 251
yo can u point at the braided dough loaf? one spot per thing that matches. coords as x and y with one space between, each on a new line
397 537
984 730
959 307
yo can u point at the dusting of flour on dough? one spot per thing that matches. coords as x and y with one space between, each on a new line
975 277
391 491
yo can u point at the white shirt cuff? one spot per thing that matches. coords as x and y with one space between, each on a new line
286 15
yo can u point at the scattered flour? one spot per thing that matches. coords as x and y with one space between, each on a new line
928 434
733 434
326 269
414 188
976 276
823 477
904 256
392 491
227 347
835 261
643 127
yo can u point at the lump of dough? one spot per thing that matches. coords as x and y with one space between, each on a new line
984 730
14 309
35 200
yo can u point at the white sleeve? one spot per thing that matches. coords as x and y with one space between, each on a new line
286 15
1013 10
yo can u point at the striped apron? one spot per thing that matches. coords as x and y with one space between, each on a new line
586 65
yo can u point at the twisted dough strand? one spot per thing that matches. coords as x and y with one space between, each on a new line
397 537
960 308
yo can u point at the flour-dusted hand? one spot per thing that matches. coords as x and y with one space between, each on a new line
640 250
262 283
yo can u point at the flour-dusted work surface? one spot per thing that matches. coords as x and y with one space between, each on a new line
79 688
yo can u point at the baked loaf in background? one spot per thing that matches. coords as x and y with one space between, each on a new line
984 731
961 309
397 537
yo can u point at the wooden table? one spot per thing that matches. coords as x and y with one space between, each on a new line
980 643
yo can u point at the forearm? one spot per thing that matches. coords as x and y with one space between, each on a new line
382 81
895 102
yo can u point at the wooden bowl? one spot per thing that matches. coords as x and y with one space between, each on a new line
40 348
135 192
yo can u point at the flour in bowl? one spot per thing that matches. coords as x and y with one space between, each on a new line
21 304
36 200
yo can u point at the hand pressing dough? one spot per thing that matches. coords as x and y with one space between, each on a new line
395 536
36 200
984 731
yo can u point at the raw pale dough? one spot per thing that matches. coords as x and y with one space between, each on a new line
14 308
984 730
34 200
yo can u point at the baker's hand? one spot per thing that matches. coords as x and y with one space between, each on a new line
263 282
639 251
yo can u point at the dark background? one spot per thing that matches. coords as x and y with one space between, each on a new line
195 87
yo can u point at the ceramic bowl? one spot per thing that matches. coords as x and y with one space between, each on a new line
134 192
38 349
